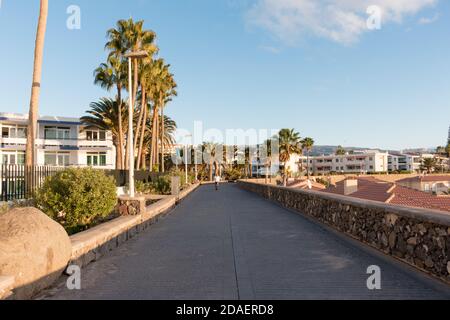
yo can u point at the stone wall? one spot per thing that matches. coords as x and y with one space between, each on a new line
128 206
418 237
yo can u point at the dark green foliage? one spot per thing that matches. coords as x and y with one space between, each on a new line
77 197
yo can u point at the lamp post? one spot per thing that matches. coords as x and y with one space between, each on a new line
186 157
131 56
195 163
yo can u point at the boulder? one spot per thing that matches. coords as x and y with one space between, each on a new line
34 249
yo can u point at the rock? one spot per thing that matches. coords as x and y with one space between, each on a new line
448 267
392 240
448 231
441 232
421 229
391 219
33 248
429 262
412 241
384 240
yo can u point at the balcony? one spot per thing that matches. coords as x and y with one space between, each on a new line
74 143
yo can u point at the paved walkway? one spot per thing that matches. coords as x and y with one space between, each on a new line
232 244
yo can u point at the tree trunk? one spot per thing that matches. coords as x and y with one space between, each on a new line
307 165
162 139
157 140
211 170
143 129
119 156
139 123
36 85
154 136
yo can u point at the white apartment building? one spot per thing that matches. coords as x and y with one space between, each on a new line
404 162
59 142
361 162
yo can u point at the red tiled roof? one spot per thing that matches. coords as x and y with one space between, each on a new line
426 179
370 188
413 198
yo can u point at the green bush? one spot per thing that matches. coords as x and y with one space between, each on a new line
77 197
233 174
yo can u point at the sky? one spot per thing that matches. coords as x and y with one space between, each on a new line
312 65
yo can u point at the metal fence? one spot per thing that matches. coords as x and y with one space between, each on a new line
20 182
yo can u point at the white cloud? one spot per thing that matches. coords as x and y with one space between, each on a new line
425 20
342 21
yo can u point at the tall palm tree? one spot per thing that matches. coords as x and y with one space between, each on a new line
36 86
130 36
111 74
308 144
429 165
168 139
290 144
104 114
210 148
162 89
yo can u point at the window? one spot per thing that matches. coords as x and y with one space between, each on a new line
21 132
14 132
96 159
50 159
15 157
60 133
93 135
427 187
57 159
21 158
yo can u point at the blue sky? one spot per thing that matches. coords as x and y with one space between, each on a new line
256 64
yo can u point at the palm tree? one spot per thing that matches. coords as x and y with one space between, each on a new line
162 88
130 36
111 74
210 149
168 138
36 86
290 143
340 151
104 114
308 144
429 165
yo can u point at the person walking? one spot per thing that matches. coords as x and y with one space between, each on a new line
217 180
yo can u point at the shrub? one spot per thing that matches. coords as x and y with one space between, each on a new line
3 207
162 185
77 197
233 174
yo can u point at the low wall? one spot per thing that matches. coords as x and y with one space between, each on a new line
418 237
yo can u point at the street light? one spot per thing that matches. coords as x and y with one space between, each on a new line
130 56
186 157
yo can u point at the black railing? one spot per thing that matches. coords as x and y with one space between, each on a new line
20 182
